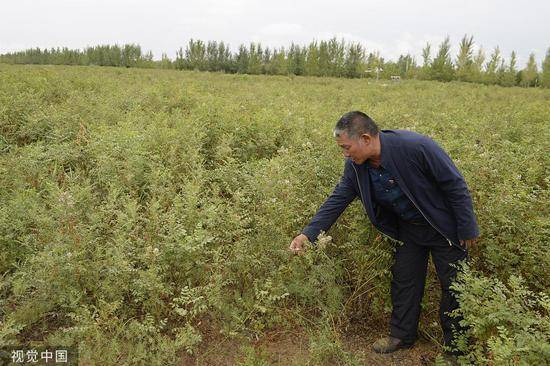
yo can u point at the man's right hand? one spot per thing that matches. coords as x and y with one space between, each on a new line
297 245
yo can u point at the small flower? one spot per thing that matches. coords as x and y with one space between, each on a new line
66 198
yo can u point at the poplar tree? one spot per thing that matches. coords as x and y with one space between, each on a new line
477 66
255 58
406 66
269 64
195 55
224 57
146 61
492 66
212 58
511 74
389 69
266 61
113 55
312 59
545 82
165 62
529 75
355 61
324 59
442 66
336 54
501 71
279 64
296 59
179 63
464 59
242 60
426 61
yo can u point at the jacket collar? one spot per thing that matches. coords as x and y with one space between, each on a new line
384 151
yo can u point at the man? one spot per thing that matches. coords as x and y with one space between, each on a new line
412 192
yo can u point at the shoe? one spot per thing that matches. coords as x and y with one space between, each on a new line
389 345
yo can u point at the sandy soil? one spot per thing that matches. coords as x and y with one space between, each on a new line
293 349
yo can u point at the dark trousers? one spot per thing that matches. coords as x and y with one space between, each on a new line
409 276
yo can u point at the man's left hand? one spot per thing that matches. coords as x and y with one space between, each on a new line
468 243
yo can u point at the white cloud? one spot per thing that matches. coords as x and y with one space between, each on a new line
281 29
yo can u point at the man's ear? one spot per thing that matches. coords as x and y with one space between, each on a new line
366 138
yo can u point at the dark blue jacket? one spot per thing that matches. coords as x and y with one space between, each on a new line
425 173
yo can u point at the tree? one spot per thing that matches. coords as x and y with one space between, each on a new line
375 64
312 59
501 72
266 61
355 61
130 55
492 66
165 62
195 55
296 59
255 54
225 59
464 61
389 69
406 66
426 61
279 64
324 59
146 61
242 60
529 75
212 57
545 82
442 66
477 66
509 77
179 63
336 56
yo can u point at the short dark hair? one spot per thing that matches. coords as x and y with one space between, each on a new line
354 124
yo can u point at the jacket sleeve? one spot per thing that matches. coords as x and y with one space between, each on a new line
344 193
453 186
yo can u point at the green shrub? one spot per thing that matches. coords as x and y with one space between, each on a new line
507 323
145 208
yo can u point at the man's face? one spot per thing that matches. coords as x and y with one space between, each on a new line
357 149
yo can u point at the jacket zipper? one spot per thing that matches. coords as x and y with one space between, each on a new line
432 225
419 210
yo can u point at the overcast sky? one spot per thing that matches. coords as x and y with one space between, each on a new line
391 27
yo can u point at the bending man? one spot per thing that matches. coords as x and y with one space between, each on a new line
411 192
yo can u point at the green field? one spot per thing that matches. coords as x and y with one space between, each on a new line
145 215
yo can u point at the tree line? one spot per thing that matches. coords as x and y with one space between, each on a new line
128 55
334 58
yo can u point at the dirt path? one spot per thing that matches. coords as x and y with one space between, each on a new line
293 350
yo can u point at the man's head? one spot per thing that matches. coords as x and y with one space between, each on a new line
357 135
